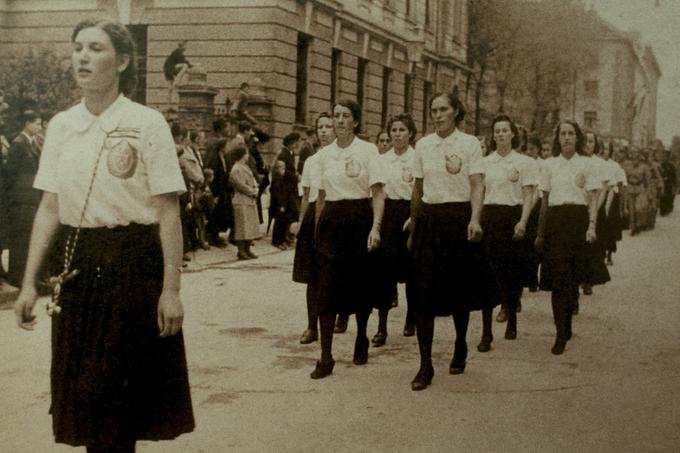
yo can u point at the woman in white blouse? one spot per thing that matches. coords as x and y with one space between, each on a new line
304 266
447 276
568 219
111 178
392 256
349 211
510 180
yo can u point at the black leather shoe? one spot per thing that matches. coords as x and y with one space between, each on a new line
502 316
558 347
423 379
322 369
510 334
340 325
379 339
457 367
588 290
409 331
309 336
484 345
360 351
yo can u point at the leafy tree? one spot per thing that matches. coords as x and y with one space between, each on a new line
37 79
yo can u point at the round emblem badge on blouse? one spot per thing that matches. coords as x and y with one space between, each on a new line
580 180
406 175
513 175
453 163
122 159
352 168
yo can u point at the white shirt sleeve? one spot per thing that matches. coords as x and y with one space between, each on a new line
46 178
418 161
160 158
476 159
544 179
530 173
376 172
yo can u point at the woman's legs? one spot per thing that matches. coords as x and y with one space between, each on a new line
361 342
381 336
324 367
461 320
425 332
487 332
311 334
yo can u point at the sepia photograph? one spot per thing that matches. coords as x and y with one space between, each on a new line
339 226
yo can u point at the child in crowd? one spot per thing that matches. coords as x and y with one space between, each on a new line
281 207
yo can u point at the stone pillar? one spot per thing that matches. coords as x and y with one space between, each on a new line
196 100
260 107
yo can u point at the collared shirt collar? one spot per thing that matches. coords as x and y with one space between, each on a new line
108 120
392 155
495 157
451 138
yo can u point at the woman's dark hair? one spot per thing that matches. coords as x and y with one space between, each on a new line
580 138
408 122
353 107
454 102
123 44
238 152
536 141
29 116
515 132
598 148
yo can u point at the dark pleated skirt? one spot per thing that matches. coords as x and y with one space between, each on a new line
596 268
613 225
502 251
448 273
346 282
528 253
19 226
113 378
564 261
392 258
304 267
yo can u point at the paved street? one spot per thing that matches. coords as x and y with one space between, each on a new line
616 388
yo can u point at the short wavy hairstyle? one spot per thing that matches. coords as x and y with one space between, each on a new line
580 138
122 43
513 127
353 107
408 122
454 102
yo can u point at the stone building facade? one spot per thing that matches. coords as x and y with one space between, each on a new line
300 55
616 96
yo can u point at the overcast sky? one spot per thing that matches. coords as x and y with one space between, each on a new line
660 28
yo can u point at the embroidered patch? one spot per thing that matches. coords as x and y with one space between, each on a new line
406 175
352 168
122 158
453 163
580 180
513 174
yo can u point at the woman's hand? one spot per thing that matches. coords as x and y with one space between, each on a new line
23 308
474 231
294 228
520 231
374 238
538 243
408 225
590 234
170 313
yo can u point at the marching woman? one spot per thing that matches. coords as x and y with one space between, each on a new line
111 178
304 266
613 221
447 274
510 180
392 257
568 220
349 211
639 177
596 269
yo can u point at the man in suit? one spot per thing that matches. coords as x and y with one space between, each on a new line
21 198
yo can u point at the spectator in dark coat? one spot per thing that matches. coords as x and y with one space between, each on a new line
21 198
221 218
283 206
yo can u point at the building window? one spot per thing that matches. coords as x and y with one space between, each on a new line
427 13
590 120
303 44
427 97
387 74
361 81
591 88
336 58
139 36
408 92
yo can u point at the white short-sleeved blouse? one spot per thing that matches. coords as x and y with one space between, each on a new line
505 176
398 174
445 165
349 173
569 180
138 160
310 176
